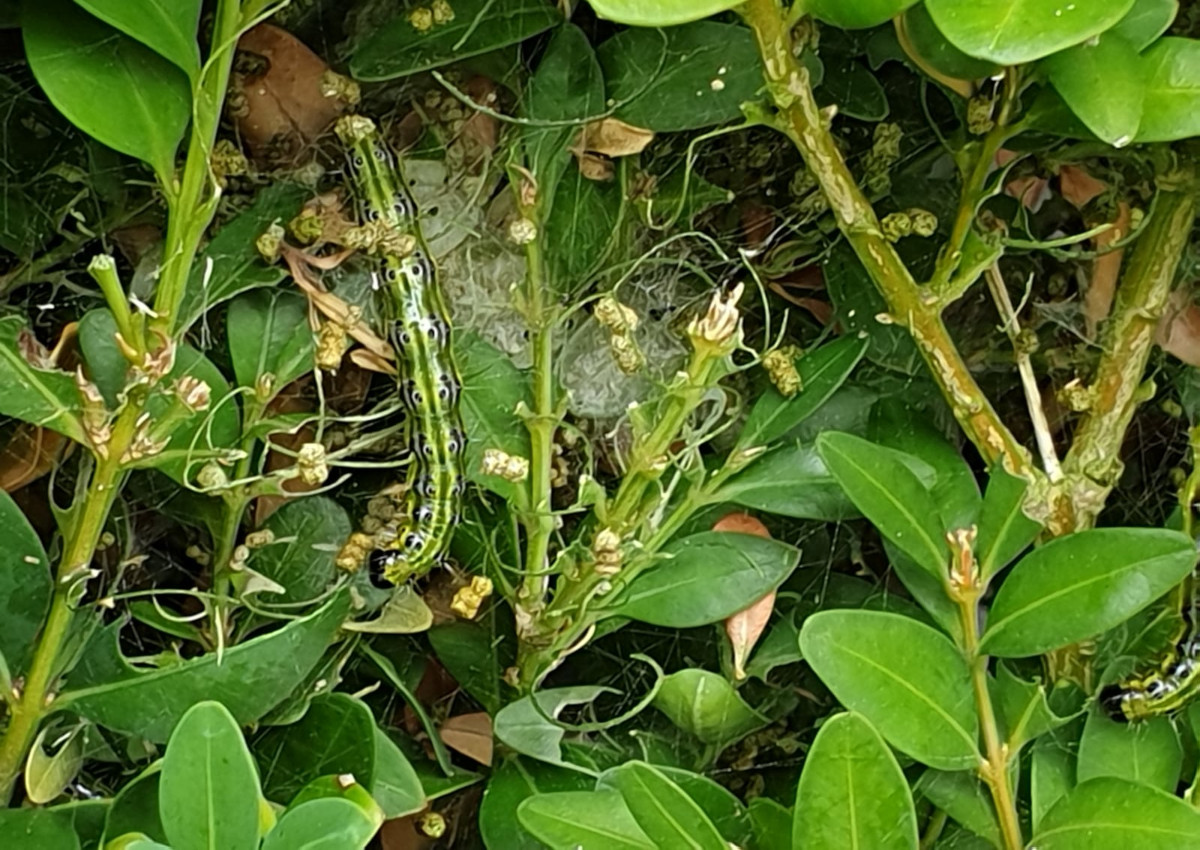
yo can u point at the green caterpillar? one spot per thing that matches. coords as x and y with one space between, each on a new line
1173 684
426 505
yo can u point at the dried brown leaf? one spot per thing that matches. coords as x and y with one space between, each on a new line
1077 186
746 626
1179 329
613 137
471 735
1106 269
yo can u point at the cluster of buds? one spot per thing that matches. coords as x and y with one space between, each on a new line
150 367
269 242
915 221
781 369
522 231
719 329
334 85
228 161
147 441
509 467
621 322
425 18
964 572
354 552
382 510
979 114
380 238
606 551
470 597
332 341
884 153
96 423
310 464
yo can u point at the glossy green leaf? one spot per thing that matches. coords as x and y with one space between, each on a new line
208 791
852 792
492 387
1146 21
659 13
1023 708
331 823
1051 776
48 774
568 85
854 89
707 706
521 726
1004 530
1080 585
105 688
471 655
821 372
1172 107
583 226
112 87
513 781
908 429
106 365
37 829
772 823
231 264
168 27
41 396
1114 814
889 495
681 78
860 14
705 578
335 736
668 816
398 48
790 481
928 590
1014 31
1148 752
927 40
583 820
964 798
267 337
1102 80
301 555
394 783
135 807
25 586
908 680
719 805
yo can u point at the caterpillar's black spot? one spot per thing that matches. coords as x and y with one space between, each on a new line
377 565
413 541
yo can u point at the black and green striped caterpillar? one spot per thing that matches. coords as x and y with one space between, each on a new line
414 539
1173 683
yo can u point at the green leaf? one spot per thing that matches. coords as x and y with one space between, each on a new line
908 680
521 726
725 810
822 372
398 48
1082 584
492 387
581 229
25 585
705 578
517 779
39 829
659 13
681 78
852 792
772 823
790 481
861 14
928 590
230 264
45 397
707 706
889 495
1004 529
335 736
1146 21
908 429
668 816
1172 107
106 365
1148 752
168 27
394 782
854 89
301 557
583 820
1113 814
1011 32
1051 776
927 40
1023 708
961 795
112 87
568 85
1103 82
208 791
470 654
329 823
48 775
266 331
105 688
135 807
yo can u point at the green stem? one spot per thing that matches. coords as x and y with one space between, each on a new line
103 270
909 305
